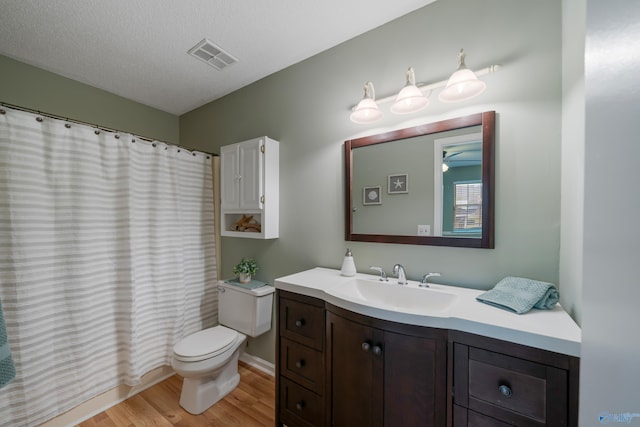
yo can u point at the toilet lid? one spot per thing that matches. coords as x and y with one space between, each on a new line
205 344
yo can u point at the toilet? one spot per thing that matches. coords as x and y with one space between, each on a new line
208 359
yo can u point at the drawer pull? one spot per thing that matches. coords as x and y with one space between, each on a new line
300 363
366 346
300 323
377 350
300 405
505 390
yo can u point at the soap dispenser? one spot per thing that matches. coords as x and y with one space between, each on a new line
348 265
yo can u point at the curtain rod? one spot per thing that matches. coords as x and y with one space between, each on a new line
103 128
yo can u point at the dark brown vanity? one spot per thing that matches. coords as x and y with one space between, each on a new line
336 367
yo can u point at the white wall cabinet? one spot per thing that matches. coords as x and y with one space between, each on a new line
249 188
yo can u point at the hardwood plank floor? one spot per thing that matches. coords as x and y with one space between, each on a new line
251 404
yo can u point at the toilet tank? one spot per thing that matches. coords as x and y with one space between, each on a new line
246 310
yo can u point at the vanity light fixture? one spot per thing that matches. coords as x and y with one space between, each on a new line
461 86
410 99
367 110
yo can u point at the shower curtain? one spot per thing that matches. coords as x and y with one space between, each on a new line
107 258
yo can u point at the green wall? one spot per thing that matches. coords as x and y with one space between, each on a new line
30 87
306 107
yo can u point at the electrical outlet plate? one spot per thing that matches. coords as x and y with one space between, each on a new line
424 230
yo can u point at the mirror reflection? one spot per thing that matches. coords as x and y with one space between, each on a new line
430 184
457 191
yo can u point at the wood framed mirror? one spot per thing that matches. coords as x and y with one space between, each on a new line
431 184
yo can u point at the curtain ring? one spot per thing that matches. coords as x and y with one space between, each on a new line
116 136
2 111
194 154
153 144
67 125
39 119
97 132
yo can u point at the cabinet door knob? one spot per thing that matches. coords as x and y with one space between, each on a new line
300 323
366 346
300 363
377 350
505 390
300 405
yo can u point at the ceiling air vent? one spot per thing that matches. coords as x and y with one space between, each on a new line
211 54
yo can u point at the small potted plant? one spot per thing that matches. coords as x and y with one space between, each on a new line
245 269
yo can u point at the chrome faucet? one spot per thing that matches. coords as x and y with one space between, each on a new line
383 275
398 270
424 283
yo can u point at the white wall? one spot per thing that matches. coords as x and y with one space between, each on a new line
572 181
610 376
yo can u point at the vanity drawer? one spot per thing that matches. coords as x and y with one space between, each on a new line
509 383
302 364
518 391
299 406
302 322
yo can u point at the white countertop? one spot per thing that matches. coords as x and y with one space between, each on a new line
552 330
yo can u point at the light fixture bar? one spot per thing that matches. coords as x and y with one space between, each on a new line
427 87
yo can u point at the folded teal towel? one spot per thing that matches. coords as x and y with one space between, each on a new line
7 370
521 295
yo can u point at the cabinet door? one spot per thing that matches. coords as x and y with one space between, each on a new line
251 171
229 177
415 382
355 398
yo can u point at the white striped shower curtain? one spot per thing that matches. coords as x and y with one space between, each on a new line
107 258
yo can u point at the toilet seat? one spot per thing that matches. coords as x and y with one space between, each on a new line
205 344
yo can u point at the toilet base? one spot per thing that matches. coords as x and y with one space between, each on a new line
199 394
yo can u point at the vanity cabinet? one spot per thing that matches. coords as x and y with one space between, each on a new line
383 373
249 188
300 379
339 368
497 383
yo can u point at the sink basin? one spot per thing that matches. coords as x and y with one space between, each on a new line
391 296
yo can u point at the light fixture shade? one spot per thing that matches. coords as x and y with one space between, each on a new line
462 85
367 110
409 100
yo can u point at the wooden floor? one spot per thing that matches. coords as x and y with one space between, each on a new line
250 404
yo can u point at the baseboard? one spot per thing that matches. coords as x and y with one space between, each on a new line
258 363
106 400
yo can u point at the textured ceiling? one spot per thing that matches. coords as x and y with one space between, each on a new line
138 48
